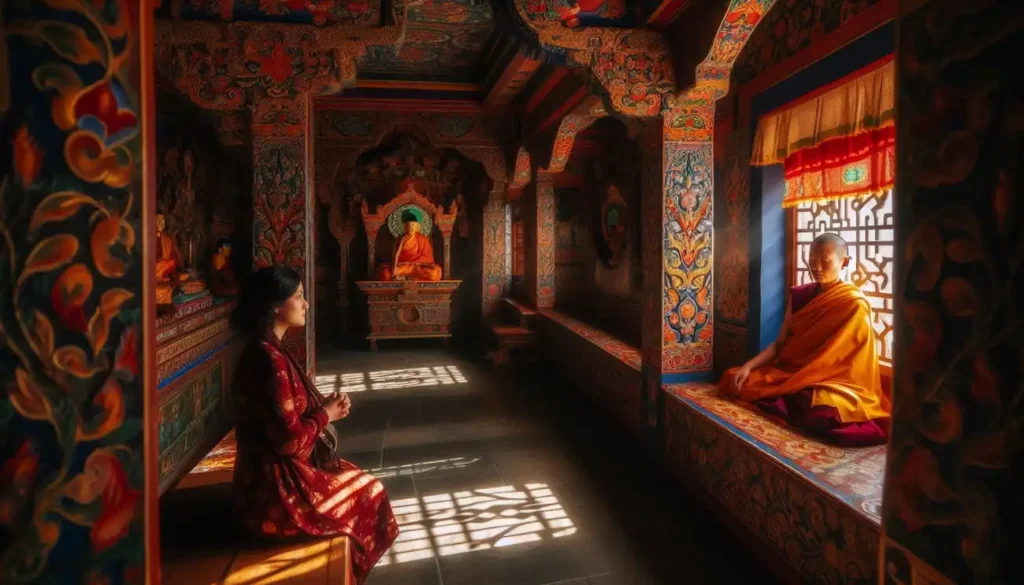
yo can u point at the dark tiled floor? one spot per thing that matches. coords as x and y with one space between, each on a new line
508 478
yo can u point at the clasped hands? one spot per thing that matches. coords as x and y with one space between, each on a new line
337 406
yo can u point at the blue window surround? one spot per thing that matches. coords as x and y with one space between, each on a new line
767 218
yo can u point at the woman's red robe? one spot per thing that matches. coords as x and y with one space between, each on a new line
280 493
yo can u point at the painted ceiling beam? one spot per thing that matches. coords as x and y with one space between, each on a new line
667 12
516 74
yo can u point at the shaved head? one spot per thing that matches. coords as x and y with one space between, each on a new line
835 239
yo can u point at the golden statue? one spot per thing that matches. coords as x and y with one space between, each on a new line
171 276
168 258
414 257
222 277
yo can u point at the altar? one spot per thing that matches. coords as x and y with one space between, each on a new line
411 299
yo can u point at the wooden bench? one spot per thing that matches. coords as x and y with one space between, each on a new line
814 508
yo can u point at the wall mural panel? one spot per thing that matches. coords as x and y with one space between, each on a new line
544 289
494 252
280 215
952 495
73 483
688 325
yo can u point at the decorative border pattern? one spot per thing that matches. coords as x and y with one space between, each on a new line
621 351
850 475
187 325
168 350
180 364
822 538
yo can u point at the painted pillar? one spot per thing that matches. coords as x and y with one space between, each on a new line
543 289
688 221
952 502
282 202
495 276
77 294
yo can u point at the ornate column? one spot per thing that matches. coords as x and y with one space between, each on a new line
540 270
954 480
495 250
282 201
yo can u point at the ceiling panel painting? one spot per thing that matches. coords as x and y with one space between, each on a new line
318 12
443 41
580 13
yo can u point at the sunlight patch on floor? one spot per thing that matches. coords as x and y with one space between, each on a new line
389 379
472 520
422 467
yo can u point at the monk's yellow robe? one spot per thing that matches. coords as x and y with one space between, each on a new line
415 260
831 350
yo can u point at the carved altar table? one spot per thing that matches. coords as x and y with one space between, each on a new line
409 309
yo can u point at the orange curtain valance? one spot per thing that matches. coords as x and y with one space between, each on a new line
838 143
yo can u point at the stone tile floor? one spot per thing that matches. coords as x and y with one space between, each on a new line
497 478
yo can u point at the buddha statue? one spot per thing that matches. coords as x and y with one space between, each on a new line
171 277
168 258
222 276
414 257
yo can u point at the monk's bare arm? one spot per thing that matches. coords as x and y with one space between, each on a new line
771 352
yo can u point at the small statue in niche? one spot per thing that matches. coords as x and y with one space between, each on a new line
414 255
188 220
174 283
168 258
614 220
222 276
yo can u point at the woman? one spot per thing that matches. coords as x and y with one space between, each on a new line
288 480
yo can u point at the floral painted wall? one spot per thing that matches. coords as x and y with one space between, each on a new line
952 507
76 482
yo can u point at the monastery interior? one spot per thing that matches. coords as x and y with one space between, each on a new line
534 235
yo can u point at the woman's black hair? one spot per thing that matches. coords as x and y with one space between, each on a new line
267 289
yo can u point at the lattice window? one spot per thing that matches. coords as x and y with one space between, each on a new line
868 225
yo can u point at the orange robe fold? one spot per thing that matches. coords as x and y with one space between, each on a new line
415 260
831 350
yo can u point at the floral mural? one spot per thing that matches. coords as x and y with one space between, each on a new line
72 475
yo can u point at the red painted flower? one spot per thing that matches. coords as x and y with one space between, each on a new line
295 5
17 478
69 295
127 358
278 66
119 502
28 158
102 103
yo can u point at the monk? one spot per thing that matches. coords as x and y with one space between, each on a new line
821 373
414 257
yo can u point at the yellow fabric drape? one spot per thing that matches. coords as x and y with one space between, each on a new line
866 102
838 143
